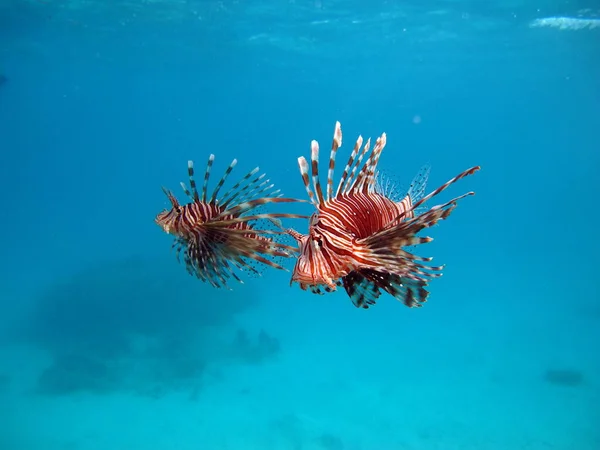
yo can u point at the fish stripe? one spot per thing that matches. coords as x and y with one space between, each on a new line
337 142
349 164
314 156
194 191
213 197
351 180
211 159
306 180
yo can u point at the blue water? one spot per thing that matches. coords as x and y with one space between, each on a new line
107 343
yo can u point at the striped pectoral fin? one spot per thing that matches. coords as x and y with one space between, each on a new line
404 233
442 188
271 217
387 249
364 288
259 258
408 291
265 241
242 208
213 268
362 292
257 248
394 269
299 237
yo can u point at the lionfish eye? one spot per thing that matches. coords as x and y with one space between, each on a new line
319 241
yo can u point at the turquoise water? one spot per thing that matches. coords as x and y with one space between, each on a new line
107 343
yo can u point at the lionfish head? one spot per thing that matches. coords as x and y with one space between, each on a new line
168 217
311 269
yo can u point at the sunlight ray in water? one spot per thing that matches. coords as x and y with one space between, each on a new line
566 23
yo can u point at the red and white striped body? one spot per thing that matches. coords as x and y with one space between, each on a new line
357 237
332 248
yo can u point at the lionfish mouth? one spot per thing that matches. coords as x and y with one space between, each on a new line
166 228
313 281
161 221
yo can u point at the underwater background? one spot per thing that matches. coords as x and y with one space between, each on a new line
107 343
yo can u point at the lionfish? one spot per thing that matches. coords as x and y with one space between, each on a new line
218 234
358 237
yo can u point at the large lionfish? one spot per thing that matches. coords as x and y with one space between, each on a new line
358 236
218 234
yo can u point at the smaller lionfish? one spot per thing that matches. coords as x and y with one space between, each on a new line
358 236
217 234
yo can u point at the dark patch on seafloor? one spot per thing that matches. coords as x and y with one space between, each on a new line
330 442
72 373
255 350
564 377
138 326
297 431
